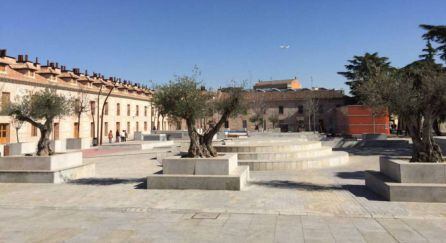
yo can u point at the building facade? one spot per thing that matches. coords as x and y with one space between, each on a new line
128 106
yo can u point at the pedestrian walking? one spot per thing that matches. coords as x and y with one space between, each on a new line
110 136
117 135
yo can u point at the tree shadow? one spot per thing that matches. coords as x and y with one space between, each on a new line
106 181
359 175
356 190
387 151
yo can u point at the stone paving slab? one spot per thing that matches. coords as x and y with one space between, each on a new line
51 225
318 205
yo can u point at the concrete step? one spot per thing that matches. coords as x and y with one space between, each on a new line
404 192
284 155
336 158
268 147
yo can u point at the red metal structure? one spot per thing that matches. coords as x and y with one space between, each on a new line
355 120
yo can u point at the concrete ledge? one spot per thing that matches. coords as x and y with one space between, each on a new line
58 146
401 170
78 143
336 158
284 156
441 141
235 181
40 176
21 148
253 146
42 163
406 192
221 165
154 137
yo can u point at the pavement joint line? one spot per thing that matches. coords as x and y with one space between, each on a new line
403 222
388 232
151 209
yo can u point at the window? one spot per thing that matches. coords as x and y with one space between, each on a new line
33 131
137 126
137 110
118 109
245 124
6 100
226 124
145 126
128 127
301 109
105 128
2 68
106 108
145 110
128 109
93 107
280 109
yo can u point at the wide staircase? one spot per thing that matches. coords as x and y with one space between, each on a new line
282 154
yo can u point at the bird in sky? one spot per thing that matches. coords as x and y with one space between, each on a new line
284 46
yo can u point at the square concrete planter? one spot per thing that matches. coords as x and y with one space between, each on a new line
57 168
441 141
218 173
401 170
400 180
154 137
58 146
221 165
78 143
21 148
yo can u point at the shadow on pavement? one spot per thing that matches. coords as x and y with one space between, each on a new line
106 181
403 151
360 175
356 190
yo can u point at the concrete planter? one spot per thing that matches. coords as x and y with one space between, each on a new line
154 137
59 146
221 165
137 136
374 136
218 173
54 162
21 148
399 180
441 141
57 168
78 143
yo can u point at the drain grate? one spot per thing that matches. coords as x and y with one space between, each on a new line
205 215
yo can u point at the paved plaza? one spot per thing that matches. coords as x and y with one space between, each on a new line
317 205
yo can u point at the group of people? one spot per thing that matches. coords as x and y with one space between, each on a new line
120 136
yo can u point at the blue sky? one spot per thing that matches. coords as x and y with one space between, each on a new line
227 39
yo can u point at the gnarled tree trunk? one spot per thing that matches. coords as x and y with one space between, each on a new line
424 148
43 146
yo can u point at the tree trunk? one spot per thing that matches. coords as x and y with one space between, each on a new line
79 125
43 146
197 146
424 148
17 134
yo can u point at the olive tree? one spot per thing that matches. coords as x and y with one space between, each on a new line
417 94
183 98
40 108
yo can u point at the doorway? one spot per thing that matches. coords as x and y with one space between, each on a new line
56 131
4 133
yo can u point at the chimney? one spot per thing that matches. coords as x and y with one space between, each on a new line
26 58
47 63
86 72
76 71
57 65
37 60
52 64
20 58
3 53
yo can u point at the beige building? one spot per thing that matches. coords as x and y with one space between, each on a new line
128 106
